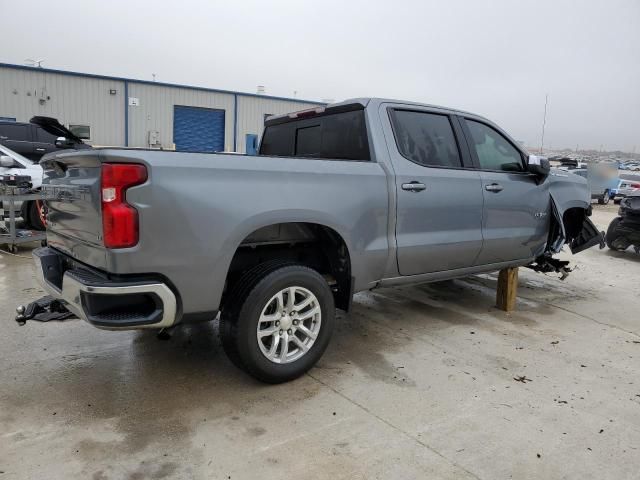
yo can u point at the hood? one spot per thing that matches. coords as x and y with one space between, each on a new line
54 127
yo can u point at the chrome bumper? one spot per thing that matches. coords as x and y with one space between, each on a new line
77 289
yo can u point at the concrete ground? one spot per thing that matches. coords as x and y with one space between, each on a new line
423 382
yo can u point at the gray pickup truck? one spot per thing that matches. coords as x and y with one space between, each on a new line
353 196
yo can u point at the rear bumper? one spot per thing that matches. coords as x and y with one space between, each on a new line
105 303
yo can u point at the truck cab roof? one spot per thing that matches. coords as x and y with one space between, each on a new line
358 104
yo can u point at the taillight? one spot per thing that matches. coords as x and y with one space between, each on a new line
119 219
635 185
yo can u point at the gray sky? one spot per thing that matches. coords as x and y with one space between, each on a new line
495 58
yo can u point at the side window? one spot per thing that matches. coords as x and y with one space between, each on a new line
44 137
426 138
494 151
81 131
14 132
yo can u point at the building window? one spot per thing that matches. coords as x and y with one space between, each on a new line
81 131
7 119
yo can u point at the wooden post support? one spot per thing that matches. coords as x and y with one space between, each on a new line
507 289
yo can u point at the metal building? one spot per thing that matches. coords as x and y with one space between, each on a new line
115 111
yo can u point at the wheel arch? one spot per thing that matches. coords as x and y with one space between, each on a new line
317 242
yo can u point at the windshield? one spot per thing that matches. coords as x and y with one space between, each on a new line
16 156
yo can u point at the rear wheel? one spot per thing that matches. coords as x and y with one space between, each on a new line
615 241
282 326
35 213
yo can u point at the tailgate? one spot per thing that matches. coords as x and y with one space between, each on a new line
74 220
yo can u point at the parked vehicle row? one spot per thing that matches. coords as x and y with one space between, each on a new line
626 187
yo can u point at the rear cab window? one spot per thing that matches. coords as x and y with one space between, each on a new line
341 136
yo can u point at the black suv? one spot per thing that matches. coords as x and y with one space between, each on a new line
27 139
38 137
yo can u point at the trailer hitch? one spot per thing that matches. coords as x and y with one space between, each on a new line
44 309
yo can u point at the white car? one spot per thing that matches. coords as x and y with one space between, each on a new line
12 163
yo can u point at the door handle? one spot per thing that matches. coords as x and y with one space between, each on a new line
494 187
40 149
414 187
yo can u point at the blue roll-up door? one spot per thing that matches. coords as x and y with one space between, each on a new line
198 129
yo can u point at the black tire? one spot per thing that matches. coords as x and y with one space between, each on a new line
241 320
603 199
612 234
233 304
617 201
33 217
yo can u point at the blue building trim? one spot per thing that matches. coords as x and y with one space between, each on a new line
149 82
126 113
235 122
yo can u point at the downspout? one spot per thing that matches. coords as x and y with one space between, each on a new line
126 113
235 122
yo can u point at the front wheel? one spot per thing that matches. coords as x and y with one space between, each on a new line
613 238
281 328
604 200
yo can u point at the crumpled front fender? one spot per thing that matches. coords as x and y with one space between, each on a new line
571 207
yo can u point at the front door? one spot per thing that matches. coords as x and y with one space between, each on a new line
517 206
43 142
439 195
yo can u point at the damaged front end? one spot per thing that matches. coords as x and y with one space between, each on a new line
570 223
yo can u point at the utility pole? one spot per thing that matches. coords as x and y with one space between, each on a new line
544 121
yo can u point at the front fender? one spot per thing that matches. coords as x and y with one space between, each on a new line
571 206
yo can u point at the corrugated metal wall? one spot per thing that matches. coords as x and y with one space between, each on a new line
73 100
156 111
86 100
251 112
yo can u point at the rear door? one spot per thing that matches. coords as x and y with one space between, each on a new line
17 136
43 142
517 207
439 193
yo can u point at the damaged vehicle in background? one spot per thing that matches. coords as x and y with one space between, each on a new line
624 230
13 163
357 195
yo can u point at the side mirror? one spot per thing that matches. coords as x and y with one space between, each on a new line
64 142
6 161
538 165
